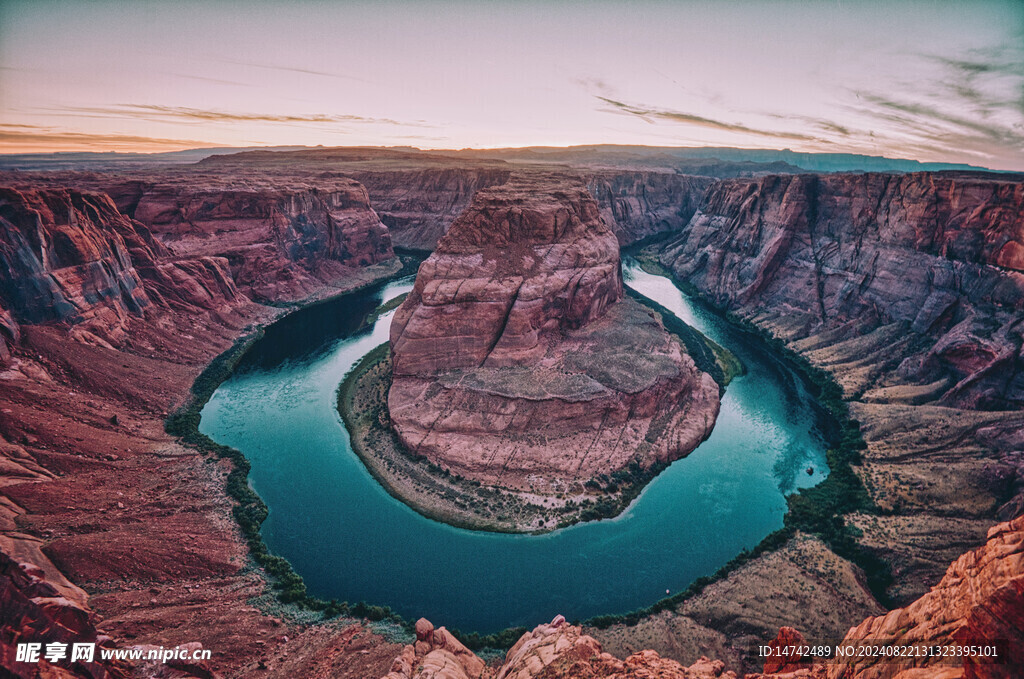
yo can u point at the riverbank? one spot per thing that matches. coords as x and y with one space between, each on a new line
249 511
306 379
442 496
158 552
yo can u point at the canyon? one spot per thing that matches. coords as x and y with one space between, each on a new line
118 288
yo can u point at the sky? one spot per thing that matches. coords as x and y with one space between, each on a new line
928 80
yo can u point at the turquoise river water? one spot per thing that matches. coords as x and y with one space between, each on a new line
352 541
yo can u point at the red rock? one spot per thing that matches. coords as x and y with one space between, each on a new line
282 237
846 254
553 651
26 617
424 630
62 258
979 602
10 335
640 205
436 655
782 658
514 356
418 205
523 261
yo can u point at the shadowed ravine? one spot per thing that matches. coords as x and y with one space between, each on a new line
352 541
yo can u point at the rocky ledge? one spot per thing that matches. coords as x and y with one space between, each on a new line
556 650
516 360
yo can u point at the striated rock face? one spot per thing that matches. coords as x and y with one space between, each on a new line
935 258
418 205
72 257
519 264
785 655
45 608
516 361
639 205
64 258
282 237
979 601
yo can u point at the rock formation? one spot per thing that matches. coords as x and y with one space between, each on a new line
641 205
10 333
41 606
73 258
65 260
980 601
283 238
556 650
436 654
418 205
516 361
935 260
102 330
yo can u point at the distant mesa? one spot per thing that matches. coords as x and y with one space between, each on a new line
517 361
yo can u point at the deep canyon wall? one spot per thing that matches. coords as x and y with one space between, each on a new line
906 287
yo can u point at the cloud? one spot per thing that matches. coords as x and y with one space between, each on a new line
295 69
34 138
972 105
653 114
218 81
155 112
930 120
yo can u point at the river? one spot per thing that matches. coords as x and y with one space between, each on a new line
352 541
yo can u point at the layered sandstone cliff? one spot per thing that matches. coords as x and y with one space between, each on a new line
934 259
283 237
516 360
64 259
907 289
979 602
71 257
102 331
418 205
644 205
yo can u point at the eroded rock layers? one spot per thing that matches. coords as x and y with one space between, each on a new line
283 237
556 650
103 329
72 257
909 290
934 261
517 361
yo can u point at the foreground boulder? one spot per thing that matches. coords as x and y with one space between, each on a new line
516 360
556 650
